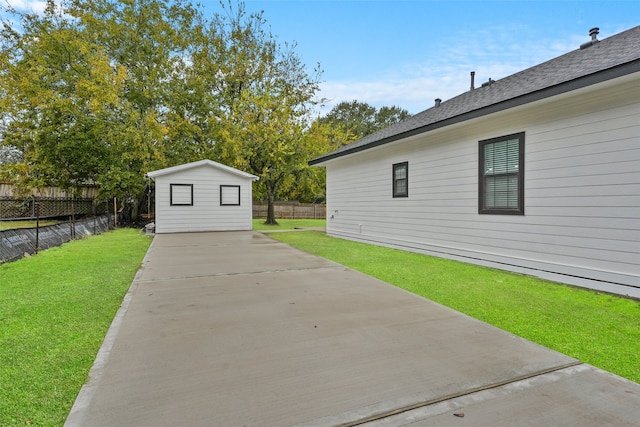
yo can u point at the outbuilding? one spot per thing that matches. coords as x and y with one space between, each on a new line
537 173
202 196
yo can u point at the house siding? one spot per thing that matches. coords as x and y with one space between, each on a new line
582 189
206 214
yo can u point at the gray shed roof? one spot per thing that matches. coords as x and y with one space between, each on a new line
206 162
612 57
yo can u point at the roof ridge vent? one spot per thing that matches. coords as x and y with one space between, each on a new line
594 38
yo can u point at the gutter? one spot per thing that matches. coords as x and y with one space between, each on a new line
568 86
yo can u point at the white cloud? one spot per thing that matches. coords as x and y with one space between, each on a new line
28 5
445 73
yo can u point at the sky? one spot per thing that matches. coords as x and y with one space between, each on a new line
407 53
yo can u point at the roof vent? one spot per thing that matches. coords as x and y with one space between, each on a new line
488 83
594 38
473 78
438 101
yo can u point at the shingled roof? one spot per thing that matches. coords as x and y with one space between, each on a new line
595 62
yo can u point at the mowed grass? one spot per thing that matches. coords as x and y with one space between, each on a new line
288 224
596 328
55 309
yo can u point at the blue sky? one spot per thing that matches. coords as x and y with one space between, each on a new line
409 52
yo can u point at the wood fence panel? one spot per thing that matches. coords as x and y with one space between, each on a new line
288 210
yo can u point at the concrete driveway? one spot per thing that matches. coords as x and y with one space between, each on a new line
236 329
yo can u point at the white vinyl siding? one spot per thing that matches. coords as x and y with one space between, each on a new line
582 189
207 212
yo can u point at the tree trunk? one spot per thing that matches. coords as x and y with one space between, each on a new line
271 215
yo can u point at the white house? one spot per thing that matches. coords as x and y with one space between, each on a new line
202 196
538 172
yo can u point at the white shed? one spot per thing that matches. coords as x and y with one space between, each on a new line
202 196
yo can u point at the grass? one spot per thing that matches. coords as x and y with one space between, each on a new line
12 225
596 328
288 224
55 309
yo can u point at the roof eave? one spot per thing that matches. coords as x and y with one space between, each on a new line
568 86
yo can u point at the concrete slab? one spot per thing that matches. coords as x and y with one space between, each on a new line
575 396
234 328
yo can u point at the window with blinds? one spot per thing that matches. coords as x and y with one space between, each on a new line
401 179
501 180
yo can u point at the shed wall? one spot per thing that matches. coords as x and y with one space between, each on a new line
206 214
582 190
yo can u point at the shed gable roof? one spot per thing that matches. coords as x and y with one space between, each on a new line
199 163
612 57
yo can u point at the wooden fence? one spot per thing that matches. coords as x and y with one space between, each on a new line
291 210
86 192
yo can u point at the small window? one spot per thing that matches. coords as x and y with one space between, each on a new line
401 179
230 195
501 175
181 194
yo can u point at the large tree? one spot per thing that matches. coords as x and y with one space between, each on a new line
361 119
104 90
266 96
60 93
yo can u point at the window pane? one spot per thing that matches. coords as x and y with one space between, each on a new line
501 157
181 194
400 172
501 191
401 186
230 195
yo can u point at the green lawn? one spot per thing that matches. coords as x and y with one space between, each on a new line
597 328
55 309
288 224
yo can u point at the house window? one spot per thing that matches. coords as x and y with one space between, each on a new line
181 194
501 175
230 195
401 179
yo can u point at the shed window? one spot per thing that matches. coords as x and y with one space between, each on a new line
181 194
230 195
501 175
401 179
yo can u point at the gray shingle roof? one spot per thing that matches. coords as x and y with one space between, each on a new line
612 57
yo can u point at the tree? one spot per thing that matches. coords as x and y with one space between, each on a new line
361 119
308 184
266 97
104 91
95 91
59 90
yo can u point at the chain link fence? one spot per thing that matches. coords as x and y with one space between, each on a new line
12 208
14 244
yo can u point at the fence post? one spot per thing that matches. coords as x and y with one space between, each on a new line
36 211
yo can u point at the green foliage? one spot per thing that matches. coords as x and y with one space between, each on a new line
361 119
55 309
599 329
266 97
103 91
